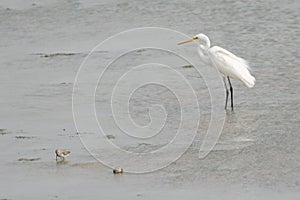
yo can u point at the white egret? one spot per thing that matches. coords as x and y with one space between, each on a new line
228 64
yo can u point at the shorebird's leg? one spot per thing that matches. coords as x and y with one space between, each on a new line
56 157
227 92
231 92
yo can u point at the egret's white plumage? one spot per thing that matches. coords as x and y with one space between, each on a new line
228 64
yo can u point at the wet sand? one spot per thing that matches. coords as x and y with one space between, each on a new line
42 46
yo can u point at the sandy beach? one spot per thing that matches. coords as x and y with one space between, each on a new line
43 45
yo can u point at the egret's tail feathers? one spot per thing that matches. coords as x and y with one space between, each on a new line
243 70
249 81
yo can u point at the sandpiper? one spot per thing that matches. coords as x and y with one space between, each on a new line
118 170
62 153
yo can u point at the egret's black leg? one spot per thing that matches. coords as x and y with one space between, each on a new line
56 157
227 92
226 101
231 92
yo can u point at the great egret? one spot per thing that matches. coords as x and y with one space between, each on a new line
228 64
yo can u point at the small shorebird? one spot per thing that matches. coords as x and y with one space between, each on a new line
62 153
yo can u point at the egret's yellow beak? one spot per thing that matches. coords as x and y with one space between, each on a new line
189 40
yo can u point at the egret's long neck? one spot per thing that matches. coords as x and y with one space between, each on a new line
206 42
203 49
203 54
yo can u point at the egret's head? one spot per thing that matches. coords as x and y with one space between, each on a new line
200 37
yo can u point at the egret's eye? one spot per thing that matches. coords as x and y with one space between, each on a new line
195 38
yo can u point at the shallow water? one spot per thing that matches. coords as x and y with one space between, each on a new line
257 155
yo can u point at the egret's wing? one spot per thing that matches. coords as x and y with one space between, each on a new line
231 65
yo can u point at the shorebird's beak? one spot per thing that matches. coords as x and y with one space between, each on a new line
187 41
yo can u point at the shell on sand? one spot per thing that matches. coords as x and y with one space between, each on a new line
118 170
